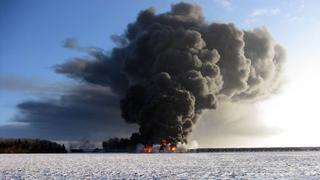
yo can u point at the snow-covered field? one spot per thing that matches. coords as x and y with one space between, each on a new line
259 165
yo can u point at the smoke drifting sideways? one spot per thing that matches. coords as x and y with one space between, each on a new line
168 68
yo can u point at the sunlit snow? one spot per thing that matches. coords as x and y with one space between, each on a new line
259 165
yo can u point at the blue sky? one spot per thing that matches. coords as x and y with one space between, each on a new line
32 33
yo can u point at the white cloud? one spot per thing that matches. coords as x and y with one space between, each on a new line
224 3
261 12
265 12
297 12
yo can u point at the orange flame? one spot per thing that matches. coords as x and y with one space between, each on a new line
172 148
148 149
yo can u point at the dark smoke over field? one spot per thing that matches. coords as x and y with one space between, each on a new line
170 67
178 65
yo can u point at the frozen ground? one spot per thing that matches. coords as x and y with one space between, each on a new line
259 165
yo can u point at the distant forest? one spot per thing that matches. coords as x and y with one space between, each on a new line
30 146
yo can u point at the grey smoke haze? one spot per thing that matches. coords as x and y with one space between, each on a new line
232 124
38 86
83 112
167 69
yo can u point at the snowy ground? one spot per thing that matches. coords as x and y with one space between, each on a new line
259 165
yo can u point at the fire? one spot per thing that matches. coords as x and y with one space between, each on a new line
167 145
172 148
148 149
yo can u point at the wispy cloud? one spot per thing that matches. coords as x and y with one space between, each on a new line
224 3
265 12
297 13
256 13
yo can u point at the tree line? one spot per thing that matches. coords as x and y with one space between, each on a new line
30 146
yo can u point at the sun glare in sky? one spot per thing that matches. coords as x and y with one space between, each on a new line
295 110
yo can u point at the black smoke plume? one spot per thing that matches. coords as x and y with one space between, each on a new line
170 67
177 65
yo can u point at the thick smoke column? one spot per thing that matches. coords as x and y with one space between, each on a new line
170 67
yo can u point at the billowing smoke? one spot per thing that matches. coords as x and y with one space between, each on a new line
168 68
177 65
